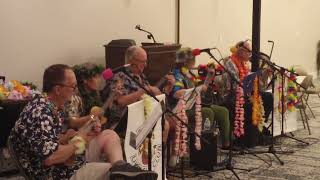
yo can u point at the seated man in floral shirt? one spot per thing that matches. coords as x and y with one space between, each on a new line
124 91
42 148
87 102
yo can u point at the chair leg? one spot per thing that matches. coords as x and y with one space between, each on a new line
307 121
302 119
306 116
310 110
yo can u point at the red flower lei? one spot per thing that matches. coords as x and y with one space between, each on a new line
242 68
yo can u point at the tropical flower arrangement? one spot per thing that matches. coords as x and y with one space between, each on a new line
15 90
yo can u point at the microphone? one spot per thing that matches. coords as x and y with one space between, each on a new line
196 52
107 74
138 27
149 36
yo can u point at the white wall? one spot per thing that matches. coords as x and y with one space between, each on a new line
294 27
218 23
38 33
292 24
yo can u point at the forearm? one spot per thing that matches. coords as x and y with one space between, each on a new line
63 139
130 98
63 153
77 122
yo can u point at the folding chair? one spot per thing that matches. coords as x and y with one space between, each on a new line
309 92
302 106
309 78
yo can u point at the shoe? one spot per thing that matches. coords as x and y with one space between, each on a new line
128 172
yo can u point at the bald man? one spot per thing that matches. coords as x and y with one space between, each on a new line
124 91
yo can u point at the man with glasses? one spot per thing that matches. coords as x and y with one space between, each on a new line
45 152
239 104
124 91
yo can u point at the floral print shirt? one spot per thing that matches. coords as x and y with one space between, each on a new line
121 85
35 137
74 108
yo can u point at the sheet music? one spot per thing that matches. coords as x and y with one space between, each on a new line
248 82
137 126
147 127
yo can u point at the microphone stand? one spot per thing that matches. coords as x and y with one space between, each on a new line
166 110
149 36
284 75
229 166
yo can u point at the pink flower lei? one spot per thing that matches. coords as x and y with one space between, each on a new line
198 122
239 110
180 145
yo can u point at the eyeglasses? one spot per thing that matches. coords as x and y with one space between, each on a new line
138 61
74 87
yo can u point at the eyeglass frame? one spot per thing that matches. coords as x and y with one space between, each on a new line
74 88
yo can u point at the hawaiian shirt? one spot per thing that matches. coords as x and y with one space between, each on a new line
226 83
121 85
182 81
74 107
35 137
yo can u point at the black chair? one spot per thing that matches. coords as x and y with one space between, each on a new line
13 155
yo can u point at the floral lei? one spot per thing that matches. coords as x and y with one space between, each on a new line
239 110
180 146
280 98
257 106
193 78
292 97
143 149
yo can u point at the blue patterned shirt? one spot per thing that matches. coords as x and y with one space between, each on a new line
35 138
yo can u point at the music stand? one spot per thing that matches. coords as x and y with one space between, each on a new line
164 112
282 71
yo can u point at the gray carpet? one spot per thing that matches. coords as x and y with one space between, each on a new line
304 163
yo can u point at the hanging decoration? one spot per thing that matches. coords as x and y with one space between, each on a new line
180 146
198 122
280 102
257 106
292 96
143 149
239 108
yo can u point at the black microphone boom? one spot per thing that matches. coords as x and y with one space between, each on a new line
120 68
108 73
149 36
206 49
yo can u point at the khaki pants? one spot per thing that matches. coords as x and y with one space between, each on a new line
92 171
96 168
